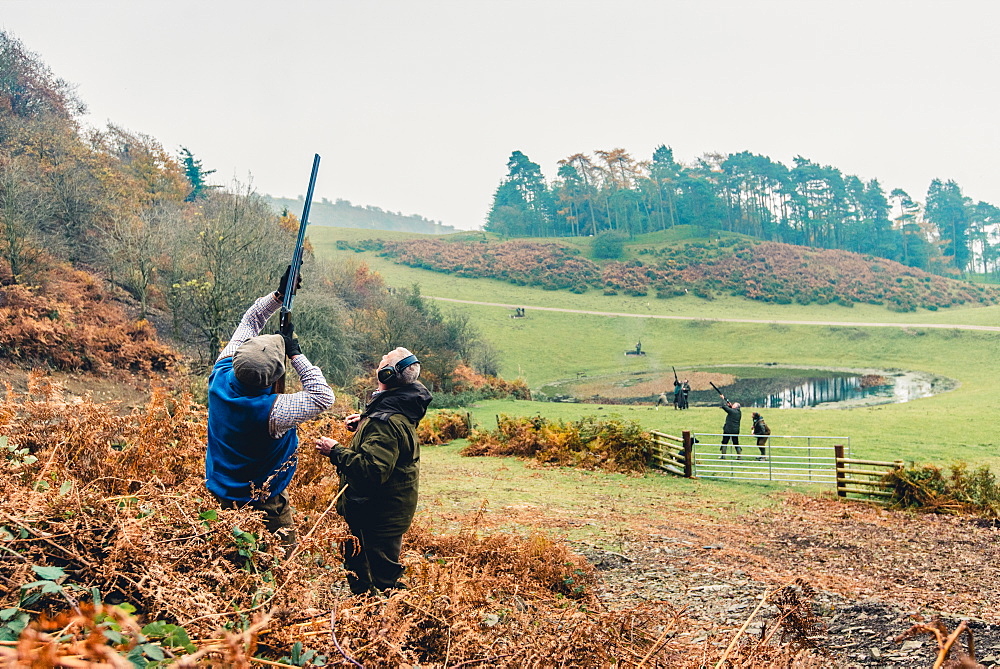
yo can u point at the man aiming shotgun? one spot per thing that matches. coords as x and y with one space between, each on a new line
252 441
678 390
731 429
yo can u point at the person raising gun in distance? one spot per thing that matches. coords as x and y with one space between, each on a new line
731 429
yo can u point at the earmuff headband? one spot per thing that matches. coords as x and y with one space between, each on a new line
391 374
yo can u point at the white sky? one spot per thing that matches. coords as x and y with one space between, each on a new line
416 105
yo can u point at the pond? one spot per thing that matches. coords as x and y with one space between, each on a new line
795 392
769 386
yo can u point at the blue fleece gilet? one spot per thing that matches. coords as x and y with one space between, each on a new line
241 451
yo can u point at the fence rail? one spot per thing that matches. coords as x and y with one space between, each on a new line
863 477
792 458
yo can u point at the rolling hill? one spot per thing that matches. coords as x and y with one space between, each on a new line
760 271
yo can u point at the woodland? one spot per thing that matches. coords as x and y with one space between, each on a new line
119 262
807 204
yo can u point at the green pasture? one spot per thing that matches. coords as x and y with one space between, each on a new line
455 484
549 346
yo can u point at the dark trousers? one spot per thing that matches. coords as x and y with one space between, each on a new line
376 565
735 438
277 517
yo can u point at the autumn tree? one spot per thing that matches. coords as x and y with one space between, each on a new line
21 211
28 89
231 253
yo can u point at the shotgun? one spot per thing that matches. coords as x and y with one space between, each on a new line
676 382
720 393
285 318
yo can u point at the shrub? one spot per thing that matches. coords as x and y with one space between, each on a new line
961 490
444 426
608 245
589 443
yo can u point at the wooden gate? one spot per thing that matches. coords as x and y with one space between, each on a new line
801 459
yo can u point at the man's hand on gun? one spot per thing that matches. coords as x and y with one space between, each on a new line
287 332
283 284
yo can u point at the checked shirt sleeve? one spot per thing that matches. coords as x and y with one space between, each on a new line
252 323
315 397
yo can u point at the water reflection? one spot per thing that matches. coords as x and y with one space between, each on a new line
816 391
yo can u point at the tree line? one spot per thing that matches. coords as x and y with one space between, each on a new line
343 214
192 255
806 204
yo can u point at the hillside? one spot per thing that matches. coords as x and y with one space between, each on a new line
70 322
343 214
762 271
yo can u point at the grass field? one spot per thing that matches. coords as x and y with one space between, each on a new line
510 488
548 346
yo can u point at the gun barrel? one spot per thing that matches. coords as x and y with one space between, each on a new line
286 305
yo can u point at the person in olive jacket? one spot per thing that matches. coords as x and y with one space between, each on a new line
731 428
381 471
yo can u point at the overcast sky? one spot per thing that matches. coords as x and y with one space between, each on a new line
416 105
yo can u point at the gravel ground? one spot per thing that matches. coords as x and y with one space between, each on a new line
875 573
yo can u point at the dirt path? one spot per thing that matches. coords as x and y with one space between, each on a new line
939 326
875 573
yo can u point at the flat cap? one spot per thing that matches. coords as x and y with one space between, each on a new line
260 361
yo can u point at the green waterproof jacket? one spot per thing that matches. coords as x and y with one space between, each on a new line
382 464
733 417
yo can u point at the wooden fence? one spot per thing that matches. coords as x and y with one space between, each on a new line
854 476
863 477
673 454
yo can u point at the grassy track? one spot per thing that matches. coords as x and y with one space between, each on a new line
549 346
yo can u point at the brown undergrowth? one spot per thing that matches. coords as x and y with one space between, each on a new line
444 426
611 445
72 323
113 554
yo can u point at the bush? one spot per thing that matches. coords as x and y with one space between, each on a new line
608 245
444 426
611 445
961 490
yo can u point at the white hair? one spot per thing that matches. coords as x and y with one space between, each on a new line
410 373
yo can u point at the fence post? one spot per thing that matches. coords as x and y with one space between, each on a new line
838 452
688 454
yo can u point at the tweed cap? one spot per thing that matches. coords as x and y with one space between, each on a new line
260 361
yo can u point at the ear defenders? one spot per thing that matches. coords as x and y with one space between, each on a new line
391 375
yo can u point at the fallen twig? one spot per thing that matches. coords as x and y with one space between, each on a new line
746 624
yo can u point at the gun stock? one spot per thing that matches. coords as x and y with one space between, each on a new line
293 276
